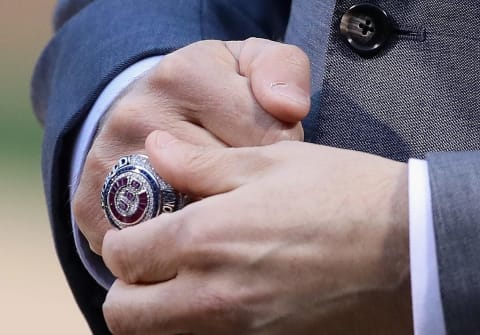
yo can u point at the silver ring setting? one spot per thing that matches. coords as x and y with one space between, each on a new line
133 192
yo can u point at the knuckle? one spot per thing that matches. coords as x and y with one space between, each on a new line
254 41
118 259
195 243
86 208
128 120
197 164
296 56
115 318
100 159
282 132
175 86
281 135
189 239
289 54
79 206
299 133
91 232
95 246
293 133
289 134
172 69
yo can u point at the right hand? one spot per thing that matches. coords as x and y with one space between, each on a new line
244 93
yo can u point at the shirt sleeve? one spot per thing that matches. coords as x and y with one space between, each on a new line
428 317
93 263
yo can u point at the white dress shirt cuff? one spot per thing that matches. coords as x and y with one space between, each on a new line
91 261
428 315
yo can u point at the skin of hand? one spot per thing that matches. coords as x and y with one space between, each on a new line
237 93
289 238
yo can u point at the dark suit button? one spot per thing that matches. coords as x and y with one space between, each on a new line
366 28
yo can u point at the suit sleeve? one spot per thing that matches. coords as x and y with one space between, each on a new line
455 187
94 41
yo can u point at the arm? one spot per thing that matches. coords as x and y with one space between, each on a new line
453 205
125 31
455 185
291 238
95 41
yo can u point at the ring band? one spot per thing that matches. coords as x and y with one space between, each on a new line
133 192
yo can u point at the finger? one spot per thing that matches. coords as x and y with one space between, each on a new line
144 253
123 132
240 121
170 244
185 305
203 171
149 309
86 207
215 96
279 75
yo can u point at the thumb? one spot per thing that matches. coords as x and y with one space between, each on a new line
279 75
196 170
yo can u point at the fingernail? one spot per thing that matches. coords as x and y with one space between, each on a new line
164 139
291 92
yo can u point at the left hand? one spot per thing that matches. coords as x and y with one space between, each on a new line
233 93
290 238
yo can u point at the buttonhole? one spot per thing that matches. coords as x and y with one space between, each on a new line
411 34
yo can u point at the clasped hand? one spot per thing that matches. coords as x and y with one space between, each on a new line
213 93
288 238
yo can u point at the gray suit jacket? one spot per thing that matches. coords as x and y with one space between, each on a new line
417 97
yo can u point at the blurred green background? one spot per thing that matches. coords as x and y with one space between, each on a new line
34 295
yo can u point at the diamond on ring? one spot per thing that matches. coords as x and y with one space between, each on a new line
133 192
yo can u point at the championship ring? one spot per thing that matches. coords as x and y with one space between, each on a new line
133 192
